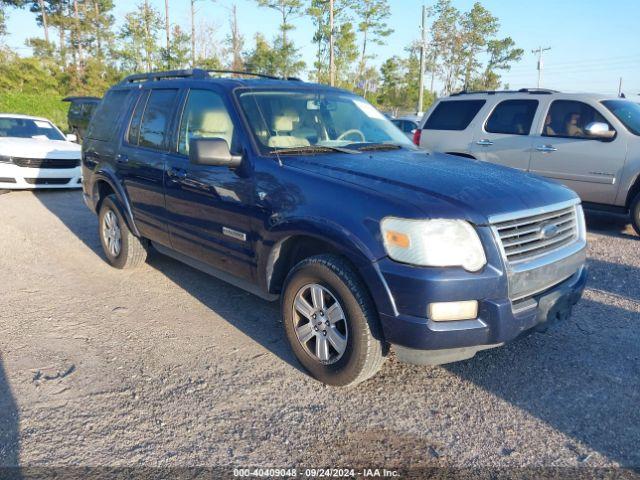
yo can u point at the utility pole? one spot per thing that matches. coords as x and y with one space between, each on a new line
332 66
423 53
540 51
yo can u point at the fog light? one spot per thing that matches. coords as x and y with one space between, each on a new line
450 311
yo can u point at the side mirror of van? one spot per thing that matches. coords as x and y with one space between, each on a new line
71 137
212 151
599 130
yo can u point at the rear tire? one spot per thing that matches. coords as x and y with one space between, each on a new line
634 213
331 322
121 247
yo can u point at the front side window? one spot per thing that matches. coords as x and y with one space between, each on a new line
205 116
512 117
319 121
627 112
156 118
569 118
453 114
28 128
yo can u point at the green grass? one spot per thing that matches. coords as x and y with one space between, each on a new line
38 104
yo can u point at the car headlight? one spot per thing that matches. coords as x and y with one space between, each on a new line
433 243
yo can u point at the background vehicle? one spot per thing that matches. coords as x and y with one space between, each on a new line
35 154
408 124
80 111
309 193
591 143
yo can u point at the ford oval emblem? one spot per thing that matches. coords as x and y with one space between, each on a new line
549 231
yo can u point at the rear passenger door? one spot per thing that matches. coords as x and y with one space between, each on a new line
504 138
141 160
209 208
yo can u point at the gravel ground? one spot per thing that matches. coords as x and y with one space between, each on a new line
165 366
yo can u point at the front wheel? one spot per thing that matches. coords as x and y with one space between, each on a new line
331 323
635 213
122 248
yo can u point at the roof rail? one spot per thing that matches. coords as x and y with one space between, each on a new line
532 91
194 73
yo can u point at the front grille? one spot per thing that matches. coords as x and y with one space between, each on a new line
533 236
47 181
7 180
45 162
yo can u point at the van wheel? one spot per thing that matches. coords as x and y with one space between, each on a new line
122 248
331 322
635 213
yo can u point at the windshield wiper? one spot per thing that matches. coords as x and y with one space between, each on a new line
314 149
379 146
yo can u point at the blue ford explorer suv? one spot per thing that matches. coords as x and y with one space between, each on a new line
307 193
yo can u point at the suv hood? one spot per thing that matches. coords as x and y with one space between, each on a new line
439 184
39 148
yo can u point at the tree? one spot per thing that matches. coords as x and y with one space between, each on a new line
502 53
235 42
3 5
478 26
177 55
288 58
346 53
262 59
390 92
139 38
372 26
319 12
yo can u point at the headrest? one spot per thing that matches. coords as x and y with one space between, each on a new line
283 123
214 121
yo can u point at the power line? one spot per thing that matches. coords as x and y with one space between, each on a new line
540 51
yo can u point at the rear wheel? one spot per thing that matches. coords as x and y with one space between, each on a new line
330 321
635 213
121 247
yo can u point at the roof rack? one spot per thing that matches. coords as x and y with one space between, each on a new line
532 91
197 73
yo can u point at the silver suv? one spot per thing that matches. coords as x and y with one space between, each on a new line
591 143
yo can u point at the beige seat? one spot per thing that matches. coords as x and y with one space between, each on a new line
213 124
283 125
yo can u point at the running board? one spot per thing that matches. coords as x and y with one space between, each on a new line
214 272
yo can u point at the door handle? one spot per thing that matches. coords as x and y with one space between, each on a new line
120 158
177 173
484 142
546 148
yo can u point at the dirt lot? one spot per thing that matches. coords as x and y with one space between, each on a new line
165 366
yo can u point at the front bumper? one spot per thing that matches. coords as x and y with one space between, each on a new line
418 339
22 178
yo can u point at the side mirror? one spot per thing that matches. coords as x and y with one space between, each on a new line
599 130
212 151
71 137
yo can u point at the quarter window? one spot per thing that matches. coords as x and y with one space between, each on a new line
156 118
453 114
205 116
513 117
568 118
107 115
134 126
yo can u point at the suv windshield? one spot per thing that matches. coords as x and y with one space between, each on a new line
627 112
317 122
28 128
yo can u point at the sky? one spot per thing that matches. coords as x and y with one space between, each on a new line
593 42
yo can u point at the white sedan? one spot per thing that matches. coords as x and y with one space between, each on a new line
35 154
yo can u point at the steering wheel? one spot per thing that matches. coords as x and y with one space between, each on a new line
345 134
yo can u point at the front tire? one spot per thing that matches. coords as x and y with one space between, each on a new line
331 323
635 213
121 247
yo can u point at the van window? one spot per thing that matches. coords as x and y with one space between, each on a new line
513 117
568 118
156 118
105 121
453 114
205 116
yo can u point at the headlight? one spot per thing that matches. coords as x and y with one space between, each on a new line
433 243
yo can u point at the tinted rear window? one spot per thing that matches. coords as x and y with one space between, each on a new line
453 115
512 117
156 118
105 121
